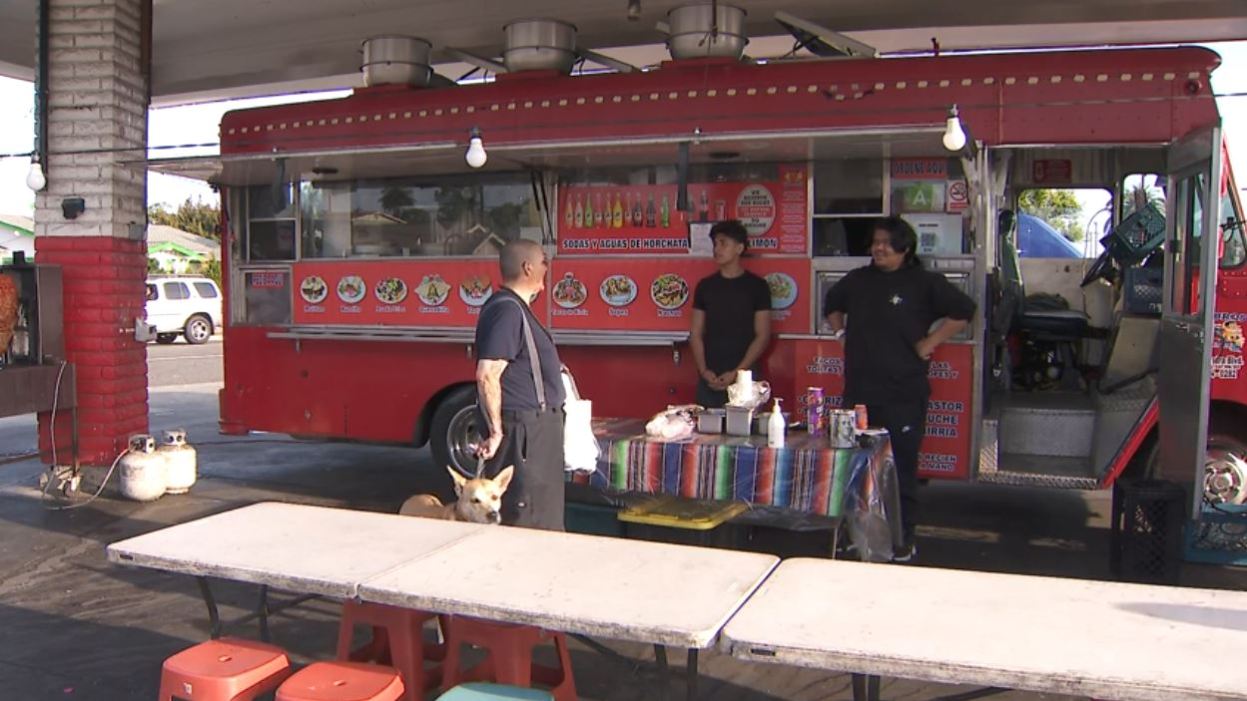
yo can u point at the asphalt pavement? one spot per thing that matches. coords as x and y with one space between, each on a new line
73 626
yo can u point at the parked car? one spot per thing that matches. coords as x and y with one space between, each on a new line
183 306
1037 239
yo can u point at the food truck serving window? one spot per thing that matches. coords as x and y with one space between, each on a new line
428 216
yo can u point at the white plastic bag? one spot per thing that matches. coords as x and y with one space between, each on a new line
580 446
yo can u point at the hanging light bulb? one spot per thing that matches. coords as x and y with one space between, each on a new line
634 10
475 155
954 134
35 179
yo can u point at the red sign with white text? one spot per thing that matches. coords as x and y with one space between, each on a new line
649 294
644 218
946 446
398 293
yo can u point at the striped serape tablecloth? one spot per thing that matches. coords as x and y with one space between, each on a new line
805 475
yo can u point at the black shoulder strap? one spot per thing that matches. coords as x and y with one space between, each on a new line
531 343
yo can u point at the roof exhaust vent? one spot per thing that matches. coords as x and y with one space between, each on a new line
396 60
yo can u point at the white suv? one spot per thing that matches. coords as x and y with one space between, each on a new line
183 306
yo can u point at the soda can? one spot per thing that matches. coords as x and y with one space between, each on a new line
815 417
860 419
841 427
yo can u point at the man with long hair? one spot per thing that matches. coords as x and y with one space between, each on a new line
895 313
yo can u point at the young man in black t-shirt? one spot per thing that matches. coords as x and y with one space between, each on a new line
891 306
731 317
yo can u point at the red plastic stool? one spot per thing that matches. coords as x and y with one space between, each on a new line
397 639
228 669
342 681
509 658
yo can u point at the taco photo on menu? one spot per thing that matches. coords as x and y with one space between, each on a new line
391 290
669 291
313 289
569 292
351 289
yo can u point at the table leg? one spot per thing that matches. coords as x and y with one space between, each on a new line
261 611
214 616
692 674
865 687
664 672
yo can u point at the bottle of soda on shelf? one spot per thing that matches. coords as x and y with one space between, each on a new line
665 212
598 212
651 213
580 213
617 213
638 217
588 212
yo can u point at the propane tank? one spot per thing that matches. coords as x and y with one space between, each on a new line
181 461
142 470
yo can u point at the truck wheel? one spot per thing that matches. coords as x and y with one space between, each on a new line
454 433
198 330
166 338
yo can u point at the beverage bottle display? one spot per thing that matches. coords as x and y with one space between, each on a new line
569 217
627 209
588 212
598 211
637 215
651 213
703 207
580 213
665 212
617 213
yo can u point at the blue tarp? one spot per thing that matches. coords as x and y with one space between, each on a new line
1036 239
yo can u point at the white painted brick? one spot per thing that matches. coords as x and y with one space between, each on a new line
95 69
77 55
80 26
76 173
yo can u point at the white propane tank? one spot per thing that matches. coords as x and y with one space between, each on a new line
181 462
142 470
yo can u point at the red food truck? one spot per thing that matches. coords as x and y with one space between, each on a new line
359 247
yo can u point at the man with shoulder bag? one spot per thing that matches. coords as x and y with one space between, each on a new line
520 392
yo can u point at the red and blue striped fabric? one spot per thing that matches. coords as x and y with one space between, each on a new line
806 475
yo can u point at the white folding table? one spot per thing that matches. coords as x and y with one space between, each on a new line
1104 640
311 550
625 590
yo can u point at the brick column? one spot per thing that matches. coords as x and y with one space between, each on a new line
98 118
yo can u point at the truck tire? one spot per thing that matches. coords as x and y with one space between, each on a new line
453 433
165 339
198 330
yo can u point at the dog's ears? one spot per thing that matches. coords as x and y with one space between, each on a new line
459 479
504 478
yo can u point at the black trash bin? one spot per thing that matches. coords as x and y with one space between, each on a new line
1148 518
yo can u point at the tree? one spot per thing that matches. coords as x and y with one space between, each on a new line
200 218
1059 208
212 270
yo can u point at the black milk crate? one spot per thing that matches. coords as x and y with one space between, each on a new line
1147 538
1144 291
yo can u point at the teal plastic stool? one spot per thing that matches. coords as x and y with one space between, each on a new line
480 691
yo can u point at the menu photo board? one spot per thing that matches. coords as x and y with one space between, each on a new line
399 293
643 218
648 294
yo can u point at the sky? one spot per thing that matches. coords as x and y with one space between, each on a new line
197 124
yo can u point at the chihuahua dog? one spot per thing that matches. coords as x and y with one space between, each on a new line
479 499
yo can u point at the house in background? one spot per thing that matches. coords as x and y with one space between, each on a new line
172 250
17 233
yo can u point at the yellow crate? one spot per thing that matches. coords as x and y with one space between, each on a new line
687 514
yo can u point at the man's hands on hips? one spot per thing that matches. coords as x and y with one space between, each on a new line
489 447
926 347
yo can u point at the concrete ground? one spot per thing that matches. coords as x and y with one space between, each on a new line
73 626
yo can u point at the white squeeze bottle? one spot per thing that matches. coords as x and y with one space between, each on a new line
775 427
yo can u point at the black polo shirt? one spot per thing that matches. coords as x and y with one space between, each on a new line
500 336
888 313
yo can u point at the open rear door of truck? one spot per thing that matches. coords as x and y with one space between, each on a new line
1192 216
